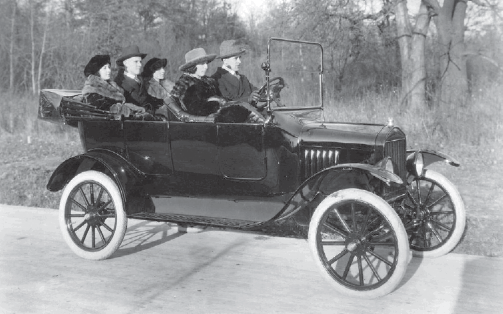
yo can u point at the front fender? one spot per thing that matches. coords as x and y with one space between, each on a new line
431 156
333 179
117 167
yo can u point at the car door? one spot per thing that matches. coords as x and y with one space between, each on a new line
194 147
241 153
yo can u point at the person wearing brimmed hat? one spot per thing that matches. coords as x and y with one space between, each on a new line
99 90
194 89
232 84
130 80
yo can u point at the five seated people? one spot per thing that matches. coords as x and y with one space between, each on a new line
146 95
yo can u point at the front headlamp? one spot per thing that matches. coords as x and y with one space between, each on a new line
415 164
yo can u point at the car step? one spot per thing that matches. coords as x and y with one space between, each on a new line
196 220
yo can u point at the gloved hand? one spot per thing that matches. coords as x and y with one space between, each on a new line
254 97
134 108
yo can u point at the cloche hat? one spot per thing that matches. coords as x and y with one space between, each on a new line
196 56
95 64
231 48
129 52
153 65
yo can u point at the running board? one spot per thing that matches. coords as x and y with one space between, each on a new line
196 220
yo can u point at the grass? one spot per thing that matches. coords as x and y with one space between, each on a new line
31 149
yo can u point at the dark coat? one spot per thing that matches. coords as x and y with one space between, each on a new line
136 93
101 93
232 88
193 94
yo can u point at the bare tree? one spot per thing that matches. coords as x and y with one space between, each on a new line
12 43
449 19
42 52
32 37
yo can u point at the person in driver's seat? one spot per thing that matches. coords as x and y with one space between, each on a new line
232 84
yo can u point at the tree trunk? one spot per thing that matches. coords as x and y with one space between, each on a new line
453 89
417 60
42 51
404 32
32 34
11 50
412 49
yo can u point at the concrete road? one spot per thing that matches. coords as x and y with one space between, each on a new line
158 270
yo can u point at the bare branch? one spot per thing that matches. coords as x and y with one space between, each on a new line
478 2
433 4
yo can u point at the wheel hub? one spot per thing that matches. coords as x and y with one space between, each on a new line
355 244
423 214
92 216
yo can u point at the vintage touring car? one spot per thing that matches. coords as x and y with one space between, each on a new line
367 200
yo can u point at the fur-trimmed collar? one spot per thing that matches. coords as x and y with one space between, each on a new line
95 84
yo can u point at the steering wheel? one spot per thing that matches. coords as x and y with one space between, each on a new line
276 84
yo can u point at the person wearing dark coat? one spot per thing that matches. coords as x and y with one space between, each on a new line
99 90
232 84
135 89
198 94
194 89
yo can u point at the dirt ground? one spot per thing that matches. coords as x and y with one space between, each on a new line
26 166
479 184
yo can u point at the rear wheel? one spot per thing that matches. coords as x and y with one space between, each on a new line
91 216
437 215
359 243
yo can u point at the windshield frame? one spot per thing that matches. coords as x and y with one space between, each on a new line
267 70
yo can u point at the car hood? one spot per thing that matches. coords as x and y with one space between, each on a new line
343 133
310 129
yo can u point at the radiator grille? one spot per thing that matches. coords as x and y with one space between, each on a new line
396 150
317 159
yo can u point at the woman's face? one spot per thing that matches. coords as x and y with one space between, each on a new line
105 72
201 69
159 74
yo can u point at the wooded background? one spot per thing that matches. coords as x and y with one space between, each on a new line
432 57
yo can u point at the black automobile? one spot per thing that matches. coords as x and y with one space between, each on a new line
368 201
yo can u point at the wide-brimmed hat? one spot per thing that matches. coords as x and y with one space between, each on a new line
129 52
95 64
153 65
231 48
196 56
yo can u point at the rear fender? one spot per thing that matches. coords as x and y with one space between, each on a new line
117 167
316 188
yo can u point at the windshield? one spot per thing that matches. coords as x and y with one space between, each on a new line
300 65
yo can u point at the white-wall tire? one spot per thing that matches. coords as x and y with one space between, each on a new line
91 215
359 243
442 218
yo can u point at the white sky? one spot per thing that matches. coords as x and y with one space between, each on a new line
245 8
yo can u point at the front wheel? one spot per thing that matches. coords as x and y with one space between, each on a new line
359 243
91 216
437 217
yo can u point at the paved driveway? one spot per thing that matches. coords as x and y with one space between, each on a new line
158 270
